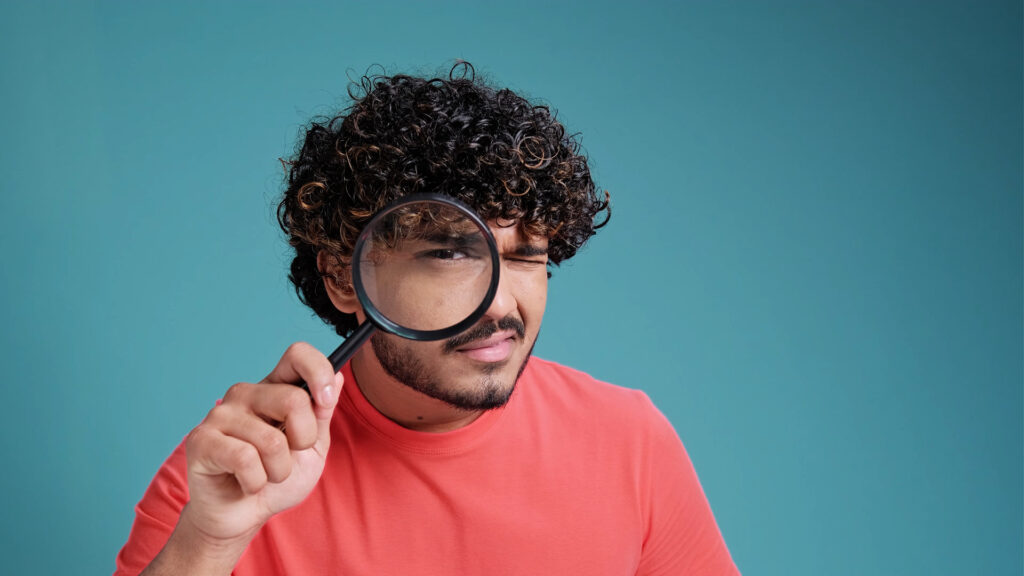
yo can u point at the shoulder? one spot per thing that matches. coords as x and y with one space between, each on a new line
557 378
573 394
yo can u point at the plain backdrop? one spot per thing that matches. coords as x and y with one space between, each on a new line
814 264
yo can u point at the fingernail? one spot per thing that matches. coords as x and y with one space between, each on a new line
327 395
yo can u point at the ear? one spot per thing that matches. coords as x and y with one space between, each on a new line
338 283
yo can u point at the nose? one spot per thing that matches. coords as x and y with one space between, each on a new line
504 302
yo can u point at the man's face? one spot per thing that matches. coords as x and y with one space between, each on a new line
478 368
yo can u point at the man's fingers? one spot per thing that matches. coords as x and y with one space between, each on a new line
212 453
270 442
278 403
304 363
243 436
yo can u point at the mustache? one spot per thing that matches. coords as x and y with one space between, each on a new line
484 331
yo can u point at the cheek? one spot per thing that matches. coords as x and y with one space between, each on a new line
534 299
398 347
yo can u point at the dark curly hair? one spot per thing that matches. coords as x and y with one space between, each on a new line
510 160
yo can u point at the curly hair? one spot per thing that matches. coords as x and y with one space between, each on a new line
510 160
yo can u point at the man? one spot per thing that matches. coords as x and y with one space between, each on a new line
463 456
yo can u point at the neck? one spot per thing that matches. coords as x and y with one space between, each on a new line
401 404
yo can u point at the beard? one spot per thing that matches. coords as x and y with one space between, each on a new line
489 391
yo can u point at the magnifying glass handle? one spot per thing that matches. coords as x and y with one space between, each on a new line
342 353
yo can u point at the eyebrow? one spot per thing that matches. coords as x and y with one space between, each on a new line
447 239
529 250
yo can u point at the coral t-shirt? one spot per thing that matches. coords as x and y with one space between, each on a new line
572 476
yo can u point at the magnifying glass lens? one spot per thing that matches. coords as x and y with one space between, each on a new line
425 265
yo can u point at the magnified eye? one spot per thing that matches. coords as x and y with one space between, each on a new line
446 254
424 268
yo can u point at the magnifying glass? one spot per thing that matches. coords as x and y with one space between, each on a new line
424 268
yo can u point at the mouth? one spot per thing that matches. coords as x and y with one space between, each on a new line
496 348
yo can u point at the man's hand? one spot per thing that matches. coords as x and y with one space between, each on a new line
244 466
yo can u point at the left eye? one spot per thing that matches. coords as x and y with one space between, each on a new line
527 262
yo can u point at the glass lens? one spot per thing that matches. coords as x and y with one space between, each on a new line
425 265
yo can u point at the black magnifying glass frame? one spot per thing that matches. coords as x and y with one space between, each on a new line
376 319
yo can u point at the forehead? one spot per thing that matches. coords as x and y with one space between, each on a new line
512 237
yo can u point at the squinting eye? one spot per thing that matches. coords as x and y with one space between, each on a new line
527 262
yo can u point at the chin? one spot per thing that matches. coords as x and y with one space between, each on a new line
485 397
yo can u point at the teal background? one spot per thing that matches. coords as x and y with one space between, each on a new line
814 265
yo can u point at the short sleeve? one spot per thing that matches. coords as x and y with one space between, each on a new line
681 535
155 515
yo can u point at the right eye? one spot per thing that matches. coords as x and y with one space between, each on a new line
445 254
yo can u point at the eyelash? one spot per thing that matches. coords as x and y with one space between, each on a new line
526 261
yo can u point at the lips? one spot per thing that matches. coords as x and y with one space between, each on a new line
496 348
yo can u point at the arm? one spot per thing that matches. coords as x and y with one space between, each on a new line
236 470
681 534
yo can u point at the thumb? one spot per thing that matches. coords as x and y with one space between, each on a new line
327 401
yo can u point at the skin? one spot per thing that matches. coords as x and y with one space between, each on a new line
522 295
243 468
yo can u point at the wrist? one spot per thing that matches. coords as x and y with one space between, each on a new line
190 550
215 547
